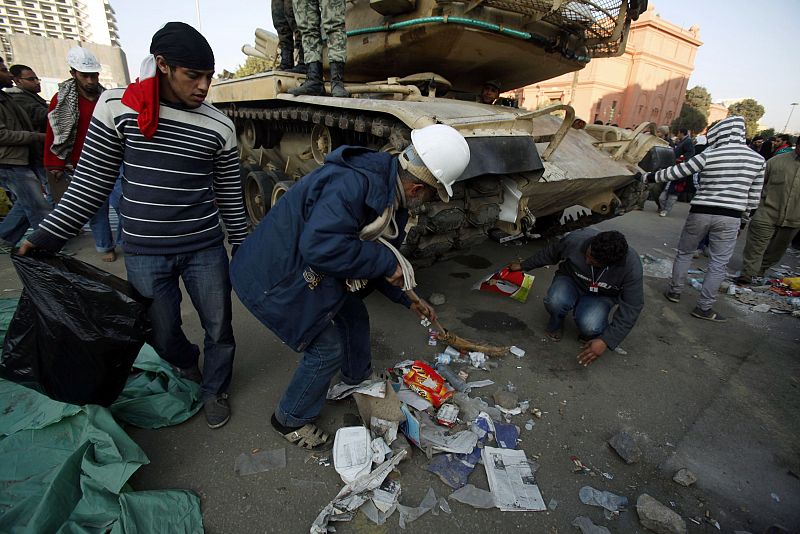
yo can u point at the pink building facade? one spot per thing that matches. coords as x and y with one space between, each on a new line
647 83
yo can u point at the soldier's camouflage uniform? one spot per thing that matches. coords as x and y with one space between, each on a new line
284 21
315 17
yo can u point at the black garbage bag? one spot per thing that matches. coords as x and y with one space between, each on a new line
76 331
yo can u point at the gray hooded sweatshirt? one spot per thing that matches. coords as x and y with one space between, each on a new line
731 175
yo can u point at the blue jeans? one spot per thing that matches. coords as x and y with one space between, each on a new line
343 346
30 207
205 275
100 225
591 311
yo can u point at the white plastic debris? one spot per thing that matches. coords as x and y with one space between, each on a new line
352 452
354 494
516 351
373 388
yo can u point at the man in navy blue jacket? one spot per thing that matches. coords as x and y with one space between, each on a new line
298 271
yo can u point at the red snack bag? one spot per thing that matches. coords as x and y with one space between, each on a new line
427 383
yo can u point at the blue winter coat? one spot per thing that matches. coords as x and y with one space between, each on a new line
291 271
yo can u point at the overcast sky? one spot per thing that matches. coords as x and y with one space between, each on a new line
749 48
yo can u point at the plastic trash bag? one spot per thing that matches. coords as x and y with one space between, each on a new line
76 332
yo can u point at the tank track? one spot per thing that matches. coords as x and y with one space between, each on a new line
355 127
441 229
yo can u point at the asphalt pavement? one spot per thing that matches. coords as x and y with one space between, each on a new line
719 399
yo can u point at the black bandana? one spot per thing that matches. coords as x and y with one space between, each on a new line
182 46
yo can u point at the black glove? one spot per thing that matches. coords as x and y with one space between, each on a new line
234 248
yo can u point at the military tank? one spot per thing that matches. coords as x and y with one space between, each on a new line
412 63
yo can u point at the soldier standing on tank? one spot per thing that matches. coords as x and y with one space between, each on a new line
313 17
288 36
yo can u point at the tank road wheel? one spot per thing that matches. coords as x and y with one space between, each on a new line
251 134
258 194
279 190
323 142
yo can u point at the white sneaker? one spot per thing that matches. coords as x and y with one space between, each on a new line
662 213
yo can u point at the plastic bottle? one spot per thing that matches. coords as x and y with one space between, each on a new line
696 283
604 499
451 376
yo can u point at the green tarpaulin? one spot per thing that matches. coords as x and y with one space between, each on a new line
64 468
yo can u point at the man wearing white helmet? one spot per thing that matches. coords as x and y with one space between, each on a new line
68 118
324 246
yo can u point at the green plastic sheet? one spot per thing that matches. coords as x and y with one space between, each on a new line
64 468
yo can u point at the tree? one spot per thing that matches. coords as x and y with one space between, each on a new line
253 65
766 134
699 98
751 111
690 118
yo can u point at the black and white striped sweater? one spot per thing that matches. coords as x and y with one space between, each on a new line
731 175
174 185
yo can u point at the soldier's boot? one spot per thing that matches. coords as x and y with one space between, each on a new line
301 67
287 59
313 85
337 80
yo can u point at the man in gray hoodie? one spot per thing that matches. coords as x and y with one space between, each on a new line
596 271
731 176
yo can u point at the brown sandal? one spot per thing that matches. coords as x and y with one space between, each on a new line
309 437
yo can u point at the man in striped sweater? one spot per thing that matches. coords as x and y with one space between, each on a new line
180 172
731 178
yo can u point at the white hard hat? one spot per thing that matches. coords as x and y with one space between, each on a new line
82 60
438 155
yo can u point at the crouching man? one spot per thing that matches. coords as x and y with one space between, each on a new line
304 270
596 271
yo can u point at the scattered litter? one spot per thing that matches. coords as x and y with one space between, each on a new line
475 497
454 469
684 477
406 396
536 412
775 497
625 445
432 337
380 450
437 299
427 383
552 505
383 502
620 350
384 429
513 284
511 387
447 415
656 267
444 506
656 517
506 399
696 283
353 495
516 351
460 443
530 424
478 359
409 514
762 308
259 461
511 480
452 377
480 383
604 499
319 458
586 526
373 388
585 469
471 407
352 452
